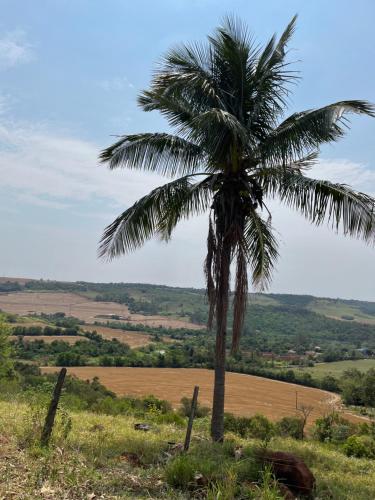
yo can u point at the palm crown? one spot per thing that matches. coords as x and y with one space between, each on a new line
232 151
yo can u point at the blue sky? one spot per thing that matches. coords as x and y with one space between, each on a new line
70 71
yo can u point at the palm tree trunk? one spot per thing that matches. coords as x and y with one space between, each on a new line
217 421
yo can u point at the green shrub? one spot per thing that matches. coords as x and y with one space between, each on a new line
200 411
341 432
325 428
237 425
261 427
257 426
360 447
290 427
171 418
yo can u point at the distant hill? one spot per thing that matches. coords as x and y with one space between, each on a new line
272 322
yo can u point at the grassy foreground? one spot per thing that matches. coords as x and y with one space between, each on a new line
91 457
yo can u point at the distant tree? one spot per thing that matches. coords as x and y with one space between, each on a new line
232 150
6 365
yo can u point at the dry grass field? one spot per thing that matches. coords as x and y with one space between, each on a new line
133 339
72 304
246 394
48 339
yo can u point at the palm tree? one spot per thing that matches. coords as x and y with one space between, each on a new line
231 152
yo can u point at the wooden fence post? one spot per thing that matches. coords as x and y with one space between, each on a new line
50 417
191 418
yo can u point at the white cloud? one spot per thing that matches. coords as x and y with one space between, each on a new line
354 174
115 84
46 168
15 49
4 103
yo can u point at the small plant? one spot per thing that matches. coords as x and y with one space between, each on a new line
180 472
224 490
324 429
290 427
185 408
268 488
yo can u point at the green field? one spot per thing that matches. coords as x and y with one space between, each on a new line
339 310
336 368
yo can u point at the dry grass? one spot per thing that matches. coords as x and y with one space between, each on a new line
246 394
133 339
90 463
81 307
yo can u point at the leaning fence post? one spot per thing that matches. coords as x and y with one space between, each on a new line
50 417
191 418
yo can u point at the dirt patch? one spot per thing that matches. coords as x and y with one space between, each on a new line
245 394
72 304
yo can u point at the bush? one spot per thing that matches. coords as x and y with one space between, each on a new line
261 427
200 411
290 427
329 383
341 432
238 425
331 427
257 426
360 447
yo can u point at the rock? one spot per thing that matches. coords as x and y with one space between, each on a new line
290 471
132 458
200 480
238 453
142 427
175 448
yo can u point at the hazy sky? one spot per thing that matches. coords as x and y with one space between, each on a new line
70 71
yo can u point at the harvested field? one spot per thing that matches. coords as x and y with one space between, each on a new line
246 394
48 339
80 307
133 339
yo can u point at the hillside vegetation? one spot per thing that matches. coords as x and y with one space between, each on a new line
273 321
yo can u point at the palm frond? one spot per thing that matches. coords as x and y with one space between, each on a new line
306 131
270 80
217 130
208 271
233 51
269 176
151 215
161 153
260 249
197 200
240 299
323 201
187 71
175 108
